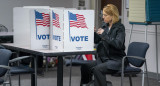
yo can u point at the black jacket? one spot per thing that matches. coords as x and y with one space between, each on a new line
111 43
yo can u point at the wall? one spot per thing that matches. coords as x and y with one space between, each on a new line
139 35
93 5
6 8
76 4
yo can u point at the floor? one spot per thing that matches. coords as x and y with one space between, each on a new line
49 79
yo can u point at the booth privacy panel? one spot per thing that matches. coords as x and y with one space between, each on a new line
144 11
153 10
137 11
31 27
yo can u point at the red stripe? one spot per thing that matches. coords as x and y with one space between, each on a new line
45 21
56 22
79 23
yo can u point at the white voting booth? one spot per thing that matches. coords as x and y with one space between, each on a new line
58 29
74 31
31 27
78 30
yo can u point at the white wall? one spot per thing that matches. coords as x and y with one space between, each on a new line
139 35
6 8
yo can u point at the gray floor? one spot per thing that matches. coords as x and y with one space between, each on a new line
49 79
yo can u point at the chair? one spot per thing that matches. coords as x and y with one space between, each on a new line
1 47
136 57
77 61
3 28
4 68
19 68
5 39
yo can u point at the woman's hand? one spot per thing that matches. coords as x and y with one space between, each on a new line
100 31
95 29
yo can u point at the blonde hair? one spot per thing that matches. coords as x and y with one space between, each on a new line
112 10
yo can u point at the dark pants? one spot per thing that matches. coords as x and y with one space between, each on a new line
98 69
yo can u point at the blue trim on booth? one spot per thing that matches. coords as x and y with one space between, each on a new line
139 23
147 9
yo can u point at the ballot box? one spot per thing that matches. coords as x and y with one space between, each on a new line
144 11
72 30
31 27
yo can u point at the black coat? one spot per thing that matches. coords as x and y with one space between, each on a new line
111 44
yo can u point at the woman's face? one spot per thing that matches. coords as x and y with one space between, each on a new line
107 18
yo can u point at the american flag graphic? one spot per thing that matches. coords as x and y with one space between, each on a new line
55 19
42 19
77 20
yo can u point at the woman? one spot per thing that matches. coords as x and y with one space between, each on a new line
110 39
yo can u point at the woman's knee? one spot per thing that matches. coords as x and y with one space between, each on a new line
95 69
99 68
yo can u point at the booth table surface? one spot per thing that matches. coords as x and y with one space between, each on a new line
46 53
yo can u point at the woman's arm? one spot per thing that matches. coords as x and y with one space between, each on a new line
97 38
116 42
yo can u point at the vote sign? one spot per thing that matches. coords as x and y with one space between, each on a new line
56 29
78 30
31 27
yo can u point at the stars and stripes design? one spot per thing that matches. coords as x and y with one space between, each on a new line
42 19
55 19
77 20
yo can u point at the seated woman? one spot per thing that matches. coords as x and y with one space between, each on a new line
110 39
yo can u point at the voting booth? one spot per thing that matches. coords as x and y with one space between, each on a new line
31 27
144 11
72 30
78 30
58 29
